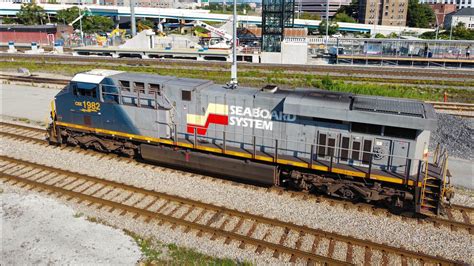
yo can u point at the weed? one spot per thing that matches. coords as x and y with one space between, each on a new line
250 77
24 120
77 215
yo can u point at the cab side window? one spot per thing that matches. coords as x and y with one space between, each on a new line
84 89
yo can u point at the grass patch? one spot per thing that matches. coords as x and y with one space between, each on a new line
256 78
157 253
24 120
78 215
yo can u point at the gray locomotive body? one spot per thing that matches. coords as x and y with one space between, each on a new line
306 135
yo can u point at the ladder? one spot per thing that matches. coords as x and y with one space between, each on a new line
435 184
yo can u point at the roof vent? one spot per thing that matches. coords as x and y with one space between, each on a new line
270 88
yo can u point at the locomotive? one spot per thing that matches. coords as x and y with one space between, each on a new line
349 146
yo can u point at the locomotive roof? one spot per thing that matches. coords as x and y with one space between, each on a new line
342 106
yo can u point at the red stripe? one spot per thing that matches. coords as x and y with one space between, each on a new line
212 118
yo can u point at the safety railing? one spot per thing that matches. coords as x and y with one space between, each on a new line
361 160
270 147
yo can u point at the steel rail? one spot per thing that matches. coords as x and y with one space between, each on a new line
177 221
397 71
218 209
452 224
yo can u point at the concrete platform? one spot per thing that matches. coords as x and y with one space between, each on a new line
175 53
33 103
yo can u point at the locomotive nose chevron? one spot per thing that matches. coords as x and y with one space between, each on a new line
215 114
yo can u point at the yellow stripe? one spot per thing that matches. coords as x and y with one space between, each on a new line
238 154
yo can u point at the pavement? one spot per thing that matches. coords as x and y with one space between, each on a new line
34 103
58 236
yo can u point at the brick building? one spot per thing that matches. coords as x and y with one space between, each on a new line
41 34
441 10
383 12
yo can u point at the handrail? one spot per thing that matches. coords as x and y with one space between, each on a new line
364 158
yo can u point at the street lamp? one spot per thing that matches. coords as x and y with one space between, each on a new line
451 28
327 22
233 77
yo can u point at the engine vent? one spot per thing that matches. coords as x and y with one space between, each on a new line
270 88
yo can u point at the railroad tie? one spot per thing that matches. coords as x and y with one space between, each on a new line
368 256
283 237
249 233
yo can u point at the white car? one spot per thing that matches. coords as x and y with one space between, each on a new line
337 35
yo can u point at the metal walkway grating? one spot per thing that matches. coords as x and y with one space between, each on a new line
406 108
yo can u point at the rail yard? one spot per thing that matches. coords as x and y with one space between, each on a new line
183 133
250 223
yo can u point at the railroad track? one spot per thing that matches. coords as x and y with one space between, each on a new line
34 79
459 109
457 217
322 69
287 241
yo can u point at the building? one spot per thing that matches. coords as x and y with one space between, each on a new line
383 12
459 3
41 34
319 6
441 10
465 15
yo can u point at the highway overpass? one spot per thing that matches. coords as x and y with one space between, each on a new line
204 15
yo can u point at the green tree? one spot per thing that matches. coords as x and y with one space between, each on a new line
90 23
68 15
310 16
343 17
93 24
351 10
420 15
379 36
31 14
332 29
9 20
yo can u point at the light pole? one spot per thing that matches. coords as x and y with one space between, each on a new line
451 28
80 23
327 22
233 77
132 18
437 26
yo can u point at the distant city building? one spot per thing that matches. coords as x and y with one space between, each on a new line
319 6
383 12
138 3
465 15
441 10
459 3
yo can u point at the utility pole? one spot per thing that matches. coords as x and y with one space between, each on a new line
132 18
80 23
233 78
327 22
451 28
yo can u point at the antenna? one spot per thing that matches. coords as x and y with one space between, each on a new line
233 78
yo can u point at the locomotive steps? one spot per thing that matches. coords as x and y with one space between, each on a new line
362 252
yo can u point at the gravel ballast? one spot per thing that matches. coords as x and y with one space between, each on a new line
39 230
456 134
392 230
